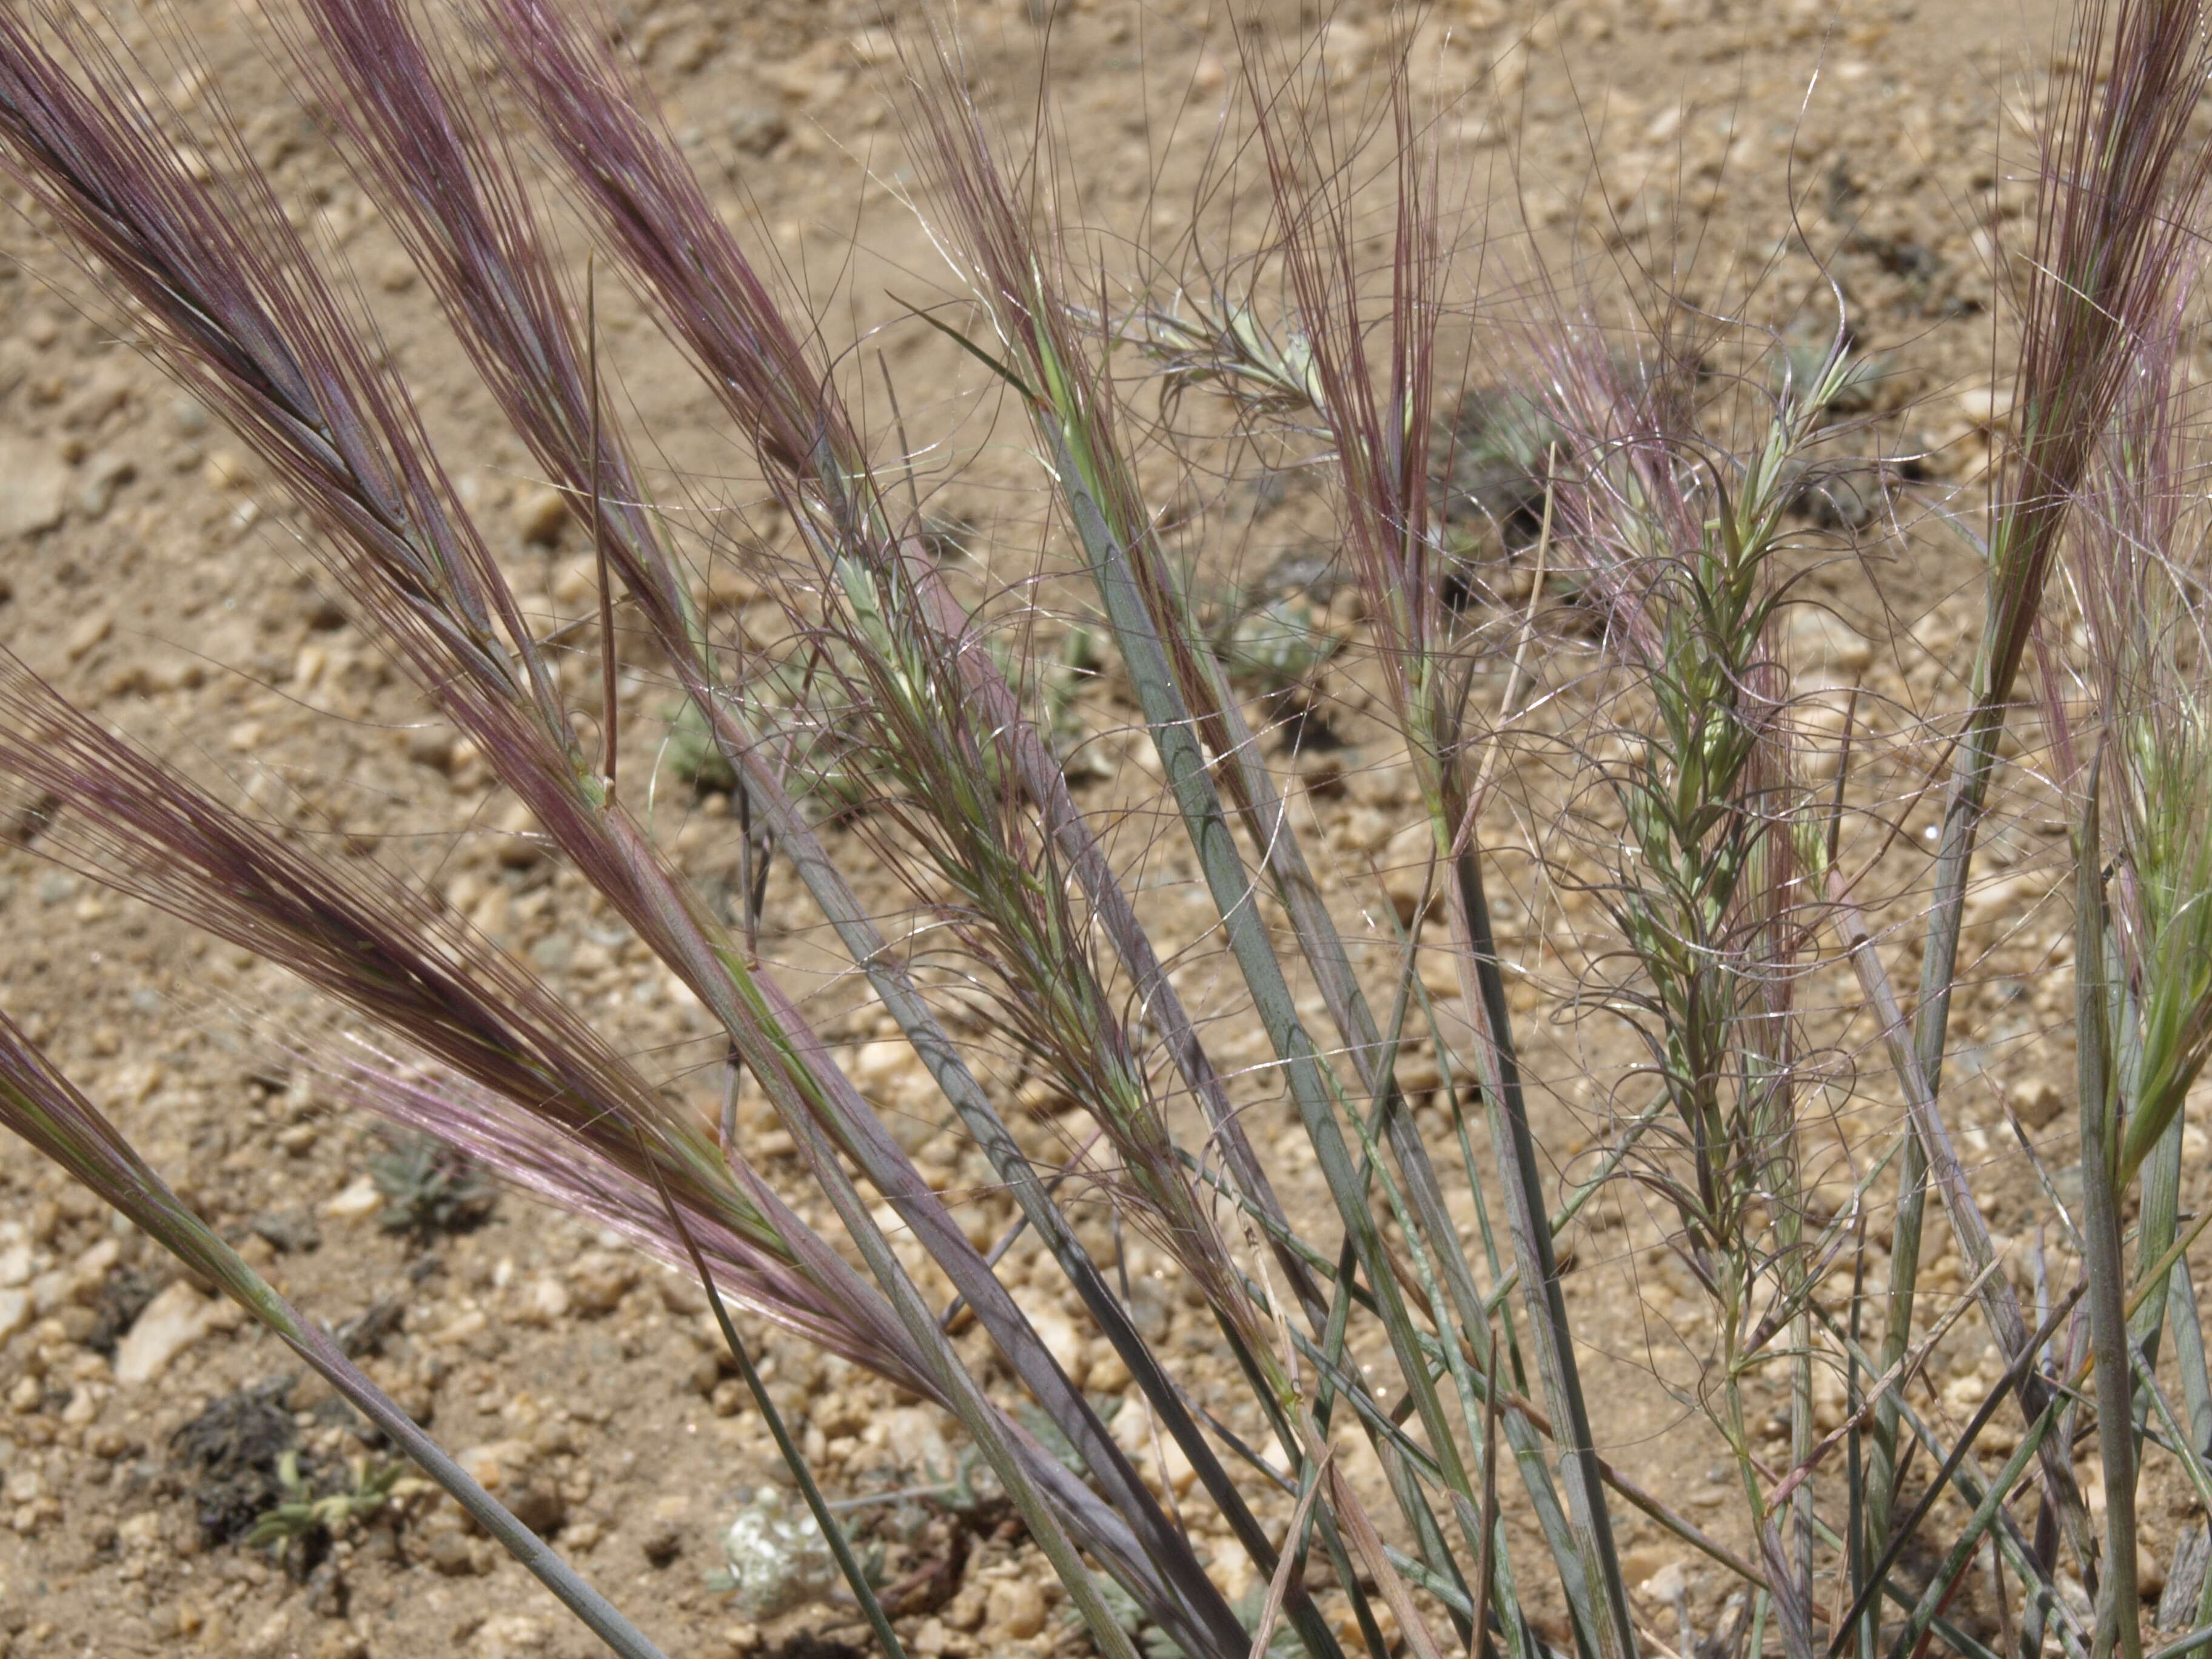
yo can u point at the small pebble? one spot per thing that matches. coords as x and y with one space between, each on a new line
37 496
102 476
680 1293
360 1198
2038 1101
88 632
755 129
540 1507
601 1280
450 1554
520 845
289 1231
662 1542
431 746
1058 1333
1014 1611
1985 405
545 1303
539 514
172 1322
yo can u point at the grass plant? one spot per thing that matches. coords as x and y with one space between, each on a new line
1410 1299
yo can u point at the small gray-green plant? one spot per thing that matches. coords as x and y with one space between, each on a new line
775 1557
306 1519
691 755
430 1188
1281 645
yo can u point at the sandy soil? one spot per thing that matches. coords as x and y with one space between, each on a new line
149 569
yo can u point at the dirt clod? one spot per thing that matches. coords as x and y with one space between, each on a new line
662 1542
231 1451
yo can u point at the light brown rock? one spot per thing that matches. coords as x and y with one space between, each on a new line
509 1636
539 514
545 1301
360 1200
1057 1332
171 1323
2038 1101
1013 1612
600 1278
88 632
36 493
521 843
